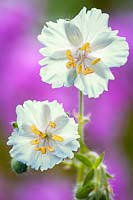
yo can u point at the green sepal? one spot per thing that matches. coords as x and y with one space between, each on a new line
68 114
89 177
14 125
85 160
99 160
84 191
98 196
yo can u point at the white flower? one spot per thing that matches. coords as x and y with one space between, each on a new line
81 51
45 135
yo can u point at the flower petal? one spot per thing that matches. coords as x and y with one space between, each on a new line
102 40
21 144
54 37
61 122
26 114
91 84
44 161
115 54
101 70
57 74
73 34
53 54
56 109
91 23
63 151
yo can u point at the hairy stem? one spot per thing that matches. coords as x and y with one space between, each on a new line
80 130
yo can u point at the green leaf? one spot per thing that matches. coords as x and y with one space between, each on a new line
89 177
84 191
109 176
85 160
14 125
99 160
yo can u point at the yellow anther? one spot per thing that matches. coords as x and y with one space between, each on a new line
69 64
42 135
73 63
50 148
35 130
38 148
52 124
88 70
36 141
69 54
79 69
57 138
85 47
96 61
43 150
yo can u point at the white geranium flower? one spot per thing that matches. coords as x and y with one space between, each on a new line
45 135
80 52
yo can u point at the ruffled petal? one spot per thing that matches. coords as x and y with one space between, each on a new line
102 70
73 34
69 129
91 23
20 137
63 151
56 109
56 54
33 113
57 74
115 54
91 85
22 148
61 122
44 161
54 37
102 40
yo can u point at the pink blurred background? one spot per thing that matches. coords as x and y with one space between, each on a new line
111 126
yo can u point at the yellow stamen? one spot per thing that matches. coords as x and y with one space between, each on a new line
88 70
43 150
57 138
69 55
96 61
36 141
52 124
73 63
85 47
68 65
38 148
79 69
42 135
50 148
35 130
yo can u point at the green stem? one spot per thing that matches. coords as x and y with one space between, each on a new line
80 172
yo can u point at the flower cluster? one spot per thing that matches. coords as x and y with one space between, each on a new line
77 52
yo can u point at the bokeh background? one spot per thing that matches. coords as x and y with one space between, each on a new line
111 126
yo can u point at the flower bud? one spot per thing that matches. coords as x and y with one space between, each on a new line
14 125
18 167
98 196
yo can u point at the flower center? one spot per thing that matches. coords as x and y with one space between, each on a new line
43 141
78 61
